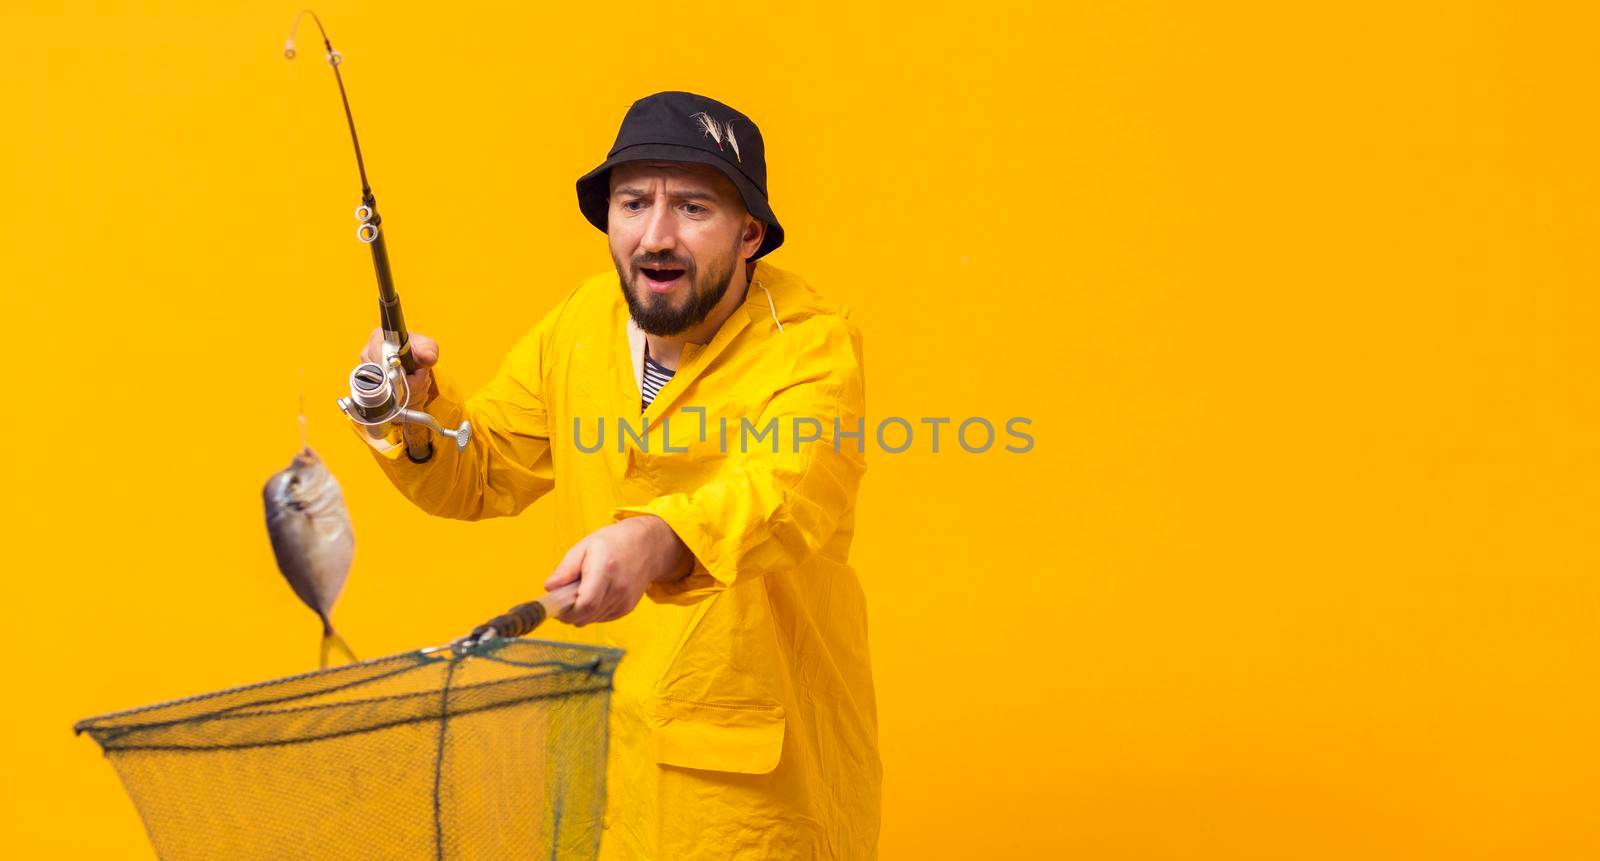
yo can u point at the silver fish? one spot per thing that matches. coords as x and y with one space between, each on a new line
311 537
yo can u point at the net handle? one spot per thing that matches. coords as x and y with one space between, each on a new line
523 618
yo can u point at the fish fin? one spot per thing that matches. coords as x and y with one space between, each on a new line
331 643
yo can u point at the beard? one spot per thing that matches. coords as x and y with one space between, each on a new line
655 313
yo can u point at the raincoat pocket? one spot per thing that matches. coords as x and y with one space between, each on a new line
743 738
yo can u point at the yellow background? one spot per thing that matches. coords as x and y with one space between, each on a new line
1301 302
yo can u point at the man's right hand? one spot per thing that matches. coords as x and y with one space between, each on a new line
424 350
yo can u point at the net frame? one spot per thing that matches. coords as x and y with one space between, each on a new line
563 688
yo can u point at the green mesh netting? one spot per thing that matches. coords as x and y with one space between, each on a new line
496 754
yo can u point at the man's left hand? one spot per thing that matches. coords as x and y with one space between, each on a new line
613 565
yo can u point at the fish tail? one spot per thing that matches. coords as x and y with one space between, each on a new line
333 643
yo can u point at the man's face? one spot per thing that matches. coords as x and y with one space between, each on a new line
677 233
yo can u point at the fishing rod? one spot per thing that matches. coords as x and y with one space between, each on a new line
379 394
373 402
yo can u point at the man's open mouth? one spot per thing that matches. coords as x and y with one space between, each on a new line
662 276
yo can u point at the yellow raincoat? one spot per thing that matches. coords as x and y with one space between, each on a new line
743 723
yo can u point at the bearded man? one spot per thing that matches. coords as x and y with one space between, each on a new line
743 721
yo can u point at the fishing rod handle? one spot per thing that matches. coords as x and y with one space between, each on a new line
419 446
390 318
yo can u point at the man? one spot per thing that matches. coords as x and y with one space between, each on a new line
743 722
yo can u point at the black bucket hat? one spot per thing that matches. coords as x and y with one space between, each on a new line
677 126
